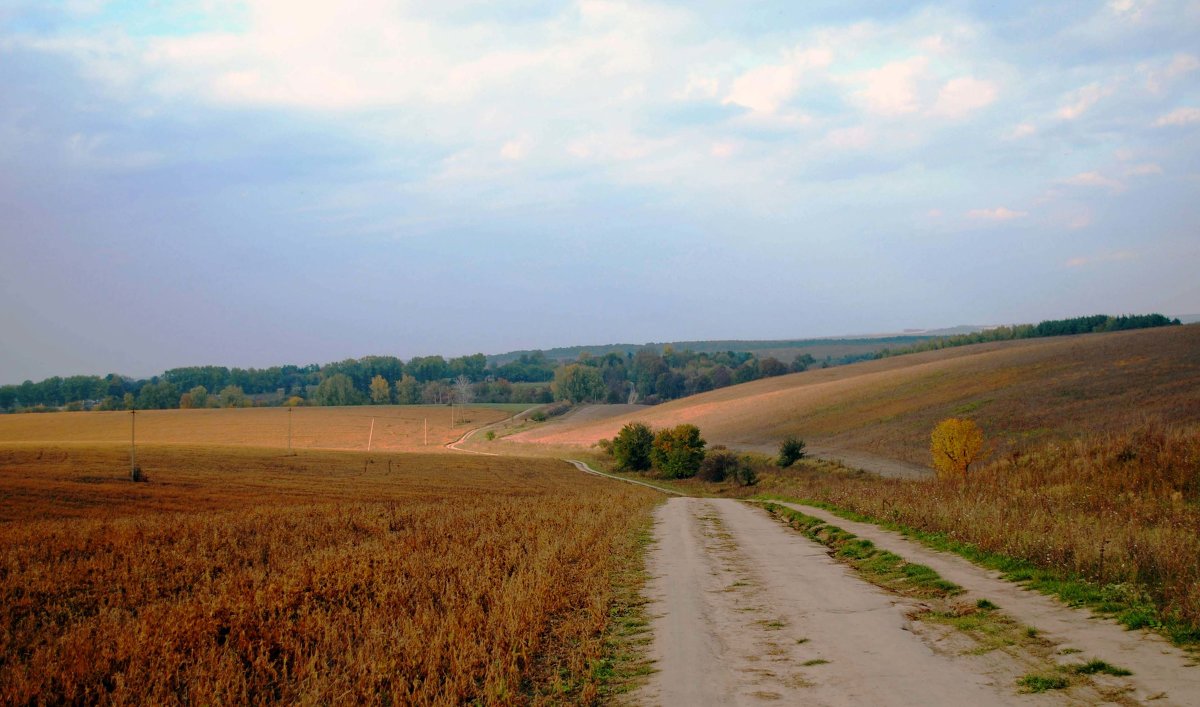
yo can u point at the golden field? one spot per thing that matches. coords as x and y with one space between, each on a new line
1021 392
251 576
397 427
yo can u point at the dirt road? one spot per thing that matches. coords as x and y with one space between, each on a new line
747 612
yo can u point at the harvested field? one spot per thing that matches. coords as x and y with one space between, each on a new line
397 427
1021 392
247 576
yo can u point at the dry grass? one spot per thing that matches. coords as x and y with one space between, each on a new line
250 576
1020 392
1121 510
397 427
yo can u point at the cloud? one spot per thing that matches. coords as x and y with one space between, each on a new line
999 213
891 90
854 138
962 96
1142 170
1094 179
1129 9
1080 261
1179 116
1081 100
765 88
1181 64
1021 130
516 150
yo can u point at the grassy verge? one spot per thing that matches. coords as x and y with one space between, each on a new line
625 665
878 566
1123 602
984 622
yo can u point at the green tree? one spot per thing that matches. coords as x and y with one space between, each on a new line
632 446
232 396
408 391
381 392
791 450
578 384
678 451
337 389
199 396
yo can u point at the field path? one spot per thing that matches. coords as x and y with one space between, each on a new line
746 611
1160 671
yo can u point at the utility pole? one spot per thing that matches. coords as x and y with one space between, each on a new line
133 475
372 435
427 432
289 431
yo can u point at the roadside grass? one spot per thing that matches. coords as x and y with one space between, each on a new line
989 628
877 566
1107 522
625 664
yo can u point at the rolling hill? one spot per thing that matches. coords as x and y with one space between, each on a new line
1021 392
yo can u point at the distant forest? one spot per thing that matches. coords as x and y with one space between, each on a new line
650 375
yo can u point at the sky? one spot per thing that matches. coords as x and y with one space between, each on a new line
260 182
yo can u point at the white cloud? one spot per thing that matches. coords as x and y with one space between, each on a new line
1023 130
1142 170
515 150
765 88
722 148
1179 116
1129 9
1181 64
1110 257
1000 213
961 96
854 138
891 90
1094 179
1081 100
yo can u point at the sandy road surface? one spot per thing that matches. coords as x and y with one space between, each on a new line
1161 672
748 612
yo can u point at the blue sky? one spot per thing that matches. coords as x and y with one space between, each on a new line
270 181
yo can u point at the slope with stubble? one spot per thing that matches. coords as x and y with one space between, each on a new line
1020 392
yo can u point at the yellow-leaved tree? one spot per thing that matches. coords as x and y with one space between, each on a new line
956 444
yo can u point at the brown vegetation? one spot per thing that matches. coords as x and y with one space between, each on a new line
397 427
248 576
1121 510
1020 392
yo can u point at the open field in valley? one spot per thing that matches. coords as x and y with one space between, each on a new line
250 575
1020 392
397 427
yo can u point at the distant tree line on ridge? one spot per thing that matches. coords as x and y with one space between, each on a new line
1094 324
648 376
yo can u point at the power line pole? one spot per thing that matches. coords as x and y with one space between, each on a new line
372 435
289 430
427 432
133 475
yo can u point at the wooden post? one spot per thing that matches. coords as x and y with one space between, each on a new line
289 430
372 435
427 432
133 474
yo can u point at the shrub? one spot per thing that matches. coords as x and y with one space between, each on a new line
744 473
719 464
955 444
538 416
678 451
632 446
791 450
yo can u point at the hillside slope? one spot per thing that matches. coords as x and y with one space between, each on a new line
1019 391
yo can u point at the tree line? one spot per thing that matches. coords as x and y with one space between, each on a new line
1051 327
648 376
